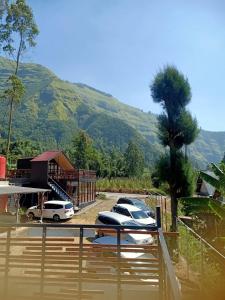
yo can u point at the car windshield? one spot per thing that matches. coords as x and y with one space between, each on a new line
140 204
129 223
69 205
139 214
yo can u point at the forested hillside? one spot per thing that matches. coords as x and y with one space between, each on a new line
53 110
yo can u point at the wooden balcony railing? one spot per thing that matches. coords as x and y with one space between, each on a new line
19 173
73 175
68 175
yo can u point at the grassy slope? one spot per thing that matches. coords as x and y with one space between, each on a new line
60 107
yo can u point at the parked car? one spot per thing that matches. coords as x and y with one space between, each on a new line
113 218
134 262
54 209
111 240
138 203
137 214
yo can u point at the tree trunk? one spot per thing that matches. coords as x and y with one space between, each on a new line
174 203
9 129
173 157
12 100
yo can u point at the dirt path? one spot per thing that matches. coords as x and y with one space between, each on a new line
89 215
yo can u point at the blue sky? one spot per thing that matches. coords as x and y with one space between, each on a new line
118 46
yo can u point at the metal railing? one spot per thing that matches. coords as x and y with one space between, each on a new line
204 266
61 190
40 256
171 288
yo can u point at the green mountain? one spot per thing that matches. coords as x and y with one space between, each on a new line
53 110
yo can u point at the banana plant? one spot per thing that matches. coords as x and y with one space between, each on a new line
196 205
217 182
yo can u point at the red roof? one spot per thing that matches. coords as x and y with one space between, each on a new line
47 156
62 160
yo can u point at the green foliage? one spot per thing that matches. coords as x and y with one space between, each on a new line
196 205
112 163
112 124
134 160
18 31
20 149
15 89
82 152
219 181
182 177
18 23
132 185
202 263
172 90
176 129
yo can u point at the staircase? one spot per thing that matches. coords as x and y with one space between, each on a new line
58 190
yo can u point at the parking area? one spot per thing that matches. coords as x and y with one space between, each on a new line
88 215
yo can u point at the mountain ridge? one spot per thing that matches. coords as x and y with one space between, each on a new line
61 107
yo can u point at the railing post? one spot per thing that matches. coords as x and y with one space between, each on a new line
162 279
118 264
158 216
187 251
80 262
7 262
44 231
165 199
202 266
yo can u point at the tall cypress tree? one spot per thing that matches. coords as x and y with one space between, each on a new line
177 128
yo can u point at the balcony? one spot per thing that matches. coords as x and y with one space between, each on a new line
19 173
59 261
59 175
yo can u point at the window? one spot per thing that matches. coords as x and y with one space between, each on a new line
53 206
47 206
69 205
57 206
103 219
139 215
108 221
123 211
123 200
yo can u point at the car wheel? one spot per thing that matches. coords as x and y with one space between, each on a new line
56 218
30 216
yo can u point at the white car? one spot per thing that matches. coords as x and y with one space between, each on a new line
54 209
113 218
135 213
110 240
131 259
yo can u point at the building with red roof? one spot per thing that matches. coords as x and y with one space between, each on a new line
54 170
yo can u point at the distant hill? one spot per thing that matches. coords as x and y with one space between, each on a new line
53 110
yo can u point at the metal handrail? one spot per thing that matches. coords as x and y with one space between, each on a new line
82 226
175 290
172 288
220 255
59 187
